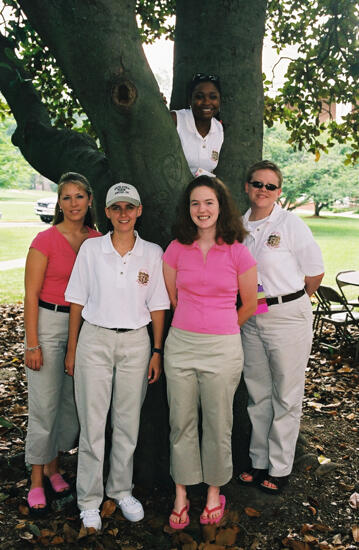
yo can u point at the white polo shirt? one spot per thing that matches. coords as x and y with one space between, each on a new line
285 251
200 152
118 291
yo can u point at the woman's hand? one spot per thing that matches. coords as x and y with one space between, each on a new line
74 329
69 363
247 284
154 368
33 359
36 264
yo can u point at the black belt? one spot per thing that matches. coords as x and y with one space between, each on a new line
54 307
286 298
119 329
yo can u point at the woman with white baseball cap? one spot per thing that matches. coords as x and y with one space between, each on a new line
116 289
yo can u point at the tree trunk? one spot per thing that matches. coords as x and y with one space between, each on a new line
97 46
119 93
318 207
225 39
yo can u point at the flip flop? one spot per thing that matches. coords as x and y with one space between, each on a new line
58 485
36 497
206 520
178 525
278 482
252 477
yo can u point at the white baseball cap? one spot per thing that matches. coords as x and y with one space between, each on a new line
122 192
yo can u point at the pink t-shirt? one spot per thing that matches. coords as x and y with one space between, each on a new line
207 289
60 261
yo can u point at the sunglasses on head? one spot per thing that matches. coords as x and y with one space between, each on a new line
260 185
203 76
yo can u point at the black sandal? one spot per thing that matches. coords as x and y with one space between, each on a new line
256 474
279 482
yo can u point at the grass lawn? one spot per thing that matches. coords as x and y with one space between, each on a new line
338 238
23 195
18 212
14 241
19 205
12 286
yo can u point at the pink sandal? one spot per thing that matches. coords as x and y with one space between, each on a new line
59 485
205 520
178 525
36 497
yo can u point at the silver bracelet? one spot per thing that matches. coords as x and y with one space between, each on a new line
34 348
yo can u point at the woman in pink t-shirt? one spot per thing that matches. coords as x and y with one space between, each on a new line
204 268
53 424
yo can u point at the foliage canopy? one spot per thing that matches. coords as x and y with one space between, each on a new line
324 71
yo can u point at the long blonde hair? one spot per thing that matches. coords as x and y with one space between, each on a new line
82 182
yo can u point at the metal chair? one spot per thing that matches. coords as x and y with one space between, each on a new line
341 284
338 313
323 307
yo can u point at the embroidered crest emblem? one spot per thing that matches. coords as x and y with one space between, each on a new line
143 277
215 155
273 240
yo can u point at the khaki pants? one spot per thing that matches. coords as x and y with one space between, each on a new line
276 349
53 424
108 365
202 370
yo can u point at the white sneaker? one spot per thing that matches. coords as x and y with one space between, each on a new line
131 508
91 518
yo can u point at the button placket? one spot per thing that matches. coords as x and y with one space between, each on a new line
122 267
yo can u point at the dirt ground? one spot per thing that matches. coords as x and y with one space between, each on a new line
313 512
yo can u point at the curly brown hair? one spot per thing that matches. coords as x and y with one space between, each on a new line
229 224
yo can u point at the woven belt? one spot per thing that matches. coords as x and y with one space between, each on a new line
54 307
286 298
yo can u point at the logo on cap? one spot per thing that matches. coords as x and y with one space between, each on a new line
122 188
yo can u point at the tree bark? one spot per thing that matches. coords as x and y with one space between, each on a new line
98 47
50 151
225 39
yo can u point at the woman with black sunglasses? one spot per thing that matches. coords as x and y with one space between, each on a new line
277 343
200 132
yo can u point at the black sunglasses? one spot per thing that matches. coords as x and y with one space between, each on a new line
260 185
203 76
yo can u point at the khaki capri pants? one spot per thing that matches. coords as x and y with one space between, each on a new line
202 370
53 424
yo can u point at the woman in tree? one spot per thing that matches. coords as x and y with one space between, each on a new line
117 288
53 424
204 269
277 344
200 132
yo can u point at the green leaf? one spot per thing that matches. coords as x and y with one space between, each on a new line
5 423
34 529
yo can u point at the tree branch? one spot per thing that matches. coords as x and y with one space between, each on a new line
50 151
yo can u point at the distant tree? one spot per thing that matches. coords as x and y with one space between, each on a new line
14 170
322 181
